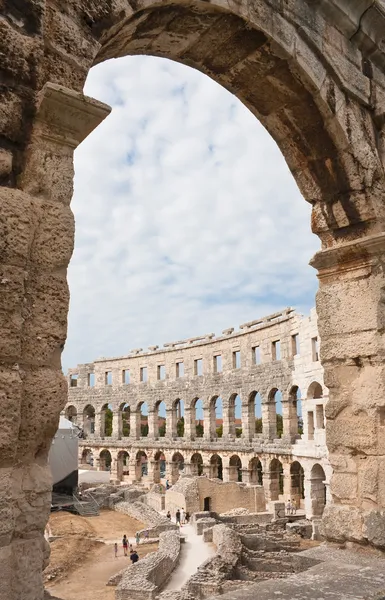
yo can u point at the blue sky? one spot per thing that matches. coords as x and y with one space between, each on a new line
188 220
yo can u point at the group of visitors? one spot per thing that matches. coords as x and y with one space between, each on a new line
134 556
291 507
181 517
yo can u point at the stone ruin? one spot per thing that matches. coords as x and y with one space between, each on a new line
314 74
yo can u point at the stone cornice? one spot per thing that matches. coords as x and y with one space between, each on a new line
349 256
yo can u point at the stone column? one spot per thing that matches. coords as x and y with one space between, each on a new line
188 468
188 433
269 420
245 476
226 473
37 241
116 424
228 421
287 487
171 423
209 429
114 467
153 431
351 321
247 415
207 470
290 420
99 424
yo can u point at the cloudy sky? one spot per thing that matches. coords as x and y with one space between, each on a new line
188 220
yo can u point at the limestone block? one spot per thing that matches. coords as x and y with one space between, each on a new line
356 432
342 522
17 223
44 395
46 327
53 242
344 486
303 528
374 528
10 413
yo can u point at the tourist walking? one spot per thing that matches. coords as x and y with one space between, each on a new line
116 550
294 508
187 517
125 544
288 507
134 557
137 538
177 516
131 548
182 516
168 515
167 484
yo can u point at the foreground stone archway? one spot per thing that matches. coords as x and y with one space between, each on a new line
328 119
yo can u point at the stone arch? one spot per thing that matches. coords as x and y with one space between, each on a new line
122 465
314 391
321 123
276 479
159 466
87 457
235 468
255 471
71 413
88 420
105 460
141 465
197 418
196 464
216 467
124 419
289 104
178 420
297 483
235 415
317 490
254 412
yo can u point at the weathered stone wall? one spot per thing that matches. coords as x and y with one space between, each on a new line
144 580
156 522
225 496
313 73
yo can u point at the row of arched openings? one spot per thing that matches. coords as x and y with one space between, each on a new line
197 425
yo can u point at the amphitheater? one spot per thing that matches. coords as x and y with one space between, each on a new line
313 73
276 356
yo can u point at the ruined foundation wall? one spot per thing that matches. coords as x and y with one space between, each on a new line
226 496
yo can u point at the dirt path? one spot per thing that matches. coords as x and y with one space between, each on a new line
83 559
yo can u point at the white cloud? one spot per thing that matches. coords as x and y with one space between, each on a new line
187 218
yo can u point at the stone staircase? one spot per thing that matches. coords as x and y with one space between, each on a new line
86 508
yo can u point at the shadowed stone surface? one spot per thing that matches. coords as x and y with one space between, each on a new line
313 73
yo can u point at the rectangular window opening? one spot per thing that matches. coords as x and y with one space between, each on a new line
198 366
91 379
218 363
236 359
256 355
143 374
276 350
315 349
126 376
295 344
74 380
108 378
161 372
180 369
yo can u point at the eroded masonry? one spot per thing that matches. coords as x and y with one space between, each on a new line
313 73
247 406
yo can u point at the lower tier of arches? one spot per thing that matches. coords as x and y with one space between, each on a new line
304 480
